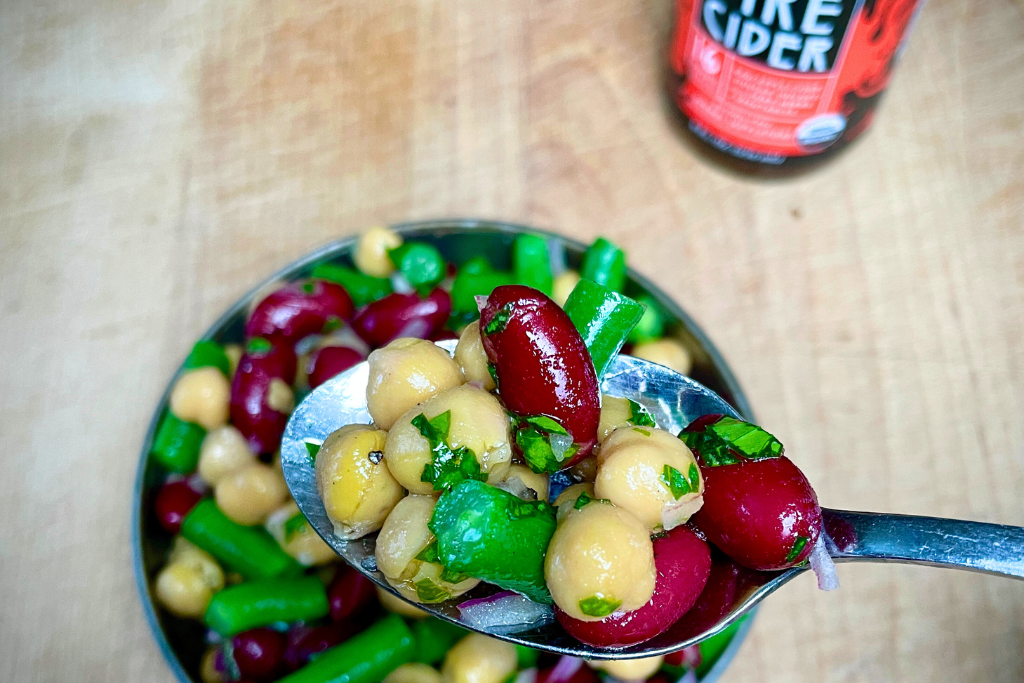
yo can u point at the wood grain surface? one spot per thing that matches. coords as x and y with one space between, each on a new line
158 158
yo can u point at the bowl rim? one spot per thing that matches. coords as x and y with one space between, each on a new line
326 252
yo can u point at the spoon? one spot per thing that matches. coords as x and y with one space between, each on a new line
732 591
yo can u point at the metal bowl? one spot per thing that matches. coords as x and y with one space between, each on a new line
182 641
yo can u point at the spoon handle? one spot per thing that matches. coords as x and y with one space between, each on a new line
954 543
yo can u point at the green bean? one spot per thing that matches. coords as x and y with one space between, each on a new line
532 263
526 657
468 286
176 444
652 325
365 658
420 263
362 288
477 265
264 602
605 264
250 551
434 638
208 354
604 319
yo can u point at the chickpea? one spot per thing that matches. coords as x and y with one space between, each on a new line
479 659
668 352
371 255
202 396
570 493
538 483
600 560
223 451
187 584
354 483
294 534
248 495
404 373
414 672
280 396
402 538
234 354
629 669
651 473
208 671
471 357
478 421
563 286
399 606
615 413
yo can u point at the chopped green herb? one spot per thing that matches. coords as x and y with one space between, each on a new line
545 424
312 448
595 606
583 499
797 548
332 323
428 591
675 481
727 441
492 370
308 287
258 346
429 554
693 477
500 320
639 415
641 431
452 576
538 451
448 466
295 525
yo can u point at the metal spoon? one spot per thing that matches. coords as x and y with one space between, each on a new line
733 591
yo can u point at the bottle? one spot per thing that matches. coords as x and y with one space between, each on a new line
775 86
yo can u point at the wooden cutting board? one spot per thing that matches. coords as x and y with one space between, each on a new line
158 158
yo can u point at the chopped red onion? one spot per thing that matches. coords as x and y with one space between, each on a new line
504 612
401 284
560 444
481 302
823 566
565 668
689 677
517 488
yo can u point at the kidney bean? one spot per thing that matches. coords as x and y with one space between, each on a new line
299 309
727 584
304 642
403 315
759 508
584 674
349 593
443 335
542 364
683 563
331 361
258 653
263 362
175 500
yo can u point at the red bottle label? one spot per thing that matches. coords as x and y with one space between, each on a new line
769 79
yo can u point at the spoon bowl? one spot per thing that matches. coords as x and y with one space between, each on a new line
732 590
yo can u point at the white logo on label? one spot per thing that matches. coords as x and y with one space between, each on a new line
711 60
820 130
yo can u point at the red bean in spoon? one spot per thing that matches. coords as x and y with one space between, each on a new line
542 365
759 508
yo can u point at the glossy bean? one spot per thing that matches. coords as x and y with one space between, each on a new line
304 642
207 353
174 501
758 507
361 287
364 658
176 444
223 452
629 669
532 263
260 394
420 263
605 264
299 309
683 563
403 315
250 551
434 638
371 252
604 319
331 361
266 601
542 365
258 653
349 593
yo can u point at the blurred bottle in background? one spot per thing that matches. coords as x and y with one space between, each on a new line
775 86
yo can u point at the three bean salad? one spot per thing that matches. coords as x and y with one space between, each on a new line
502 463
